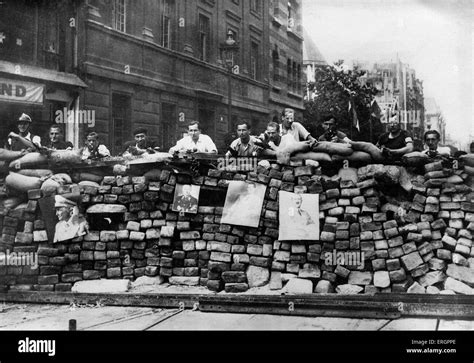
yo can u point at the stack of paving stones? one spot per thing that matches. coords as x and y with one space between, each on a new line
426 249
17 238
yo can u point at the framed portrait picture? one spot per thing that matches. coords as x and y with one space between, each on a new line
186 198
243 203
71 223
298 216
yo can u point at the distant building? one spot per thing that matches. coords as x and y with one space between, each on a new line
400 93
434 119
286 64
312 59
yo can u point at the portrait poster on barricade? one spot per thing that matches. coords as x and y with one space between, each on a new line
243 203
71 223
299 216
186 198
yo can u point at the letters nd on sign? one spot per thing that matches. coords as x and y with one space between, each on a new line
19 91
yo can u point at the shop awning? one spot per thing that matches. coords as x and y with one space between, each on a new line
8 68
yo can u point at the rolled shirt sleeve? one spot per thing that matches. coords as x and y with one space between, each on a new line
103 151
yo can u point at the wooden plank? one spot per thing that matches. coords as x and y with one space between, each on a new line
383 305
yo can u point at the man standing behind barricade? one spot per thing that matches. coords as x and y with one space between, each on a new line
93 149
432 138
270 139
56 140
290 127
24 139
194 142
331 133
141 145
245 145
395 143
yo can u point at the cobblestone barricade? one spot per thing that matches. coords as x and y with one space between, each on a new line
422 243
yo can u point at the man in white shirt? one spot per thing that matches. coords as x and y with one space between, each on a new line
295 129
194 142
432 138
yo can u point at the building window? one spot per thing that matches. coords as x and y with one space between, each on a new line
288 74
51 32
121 121
276 64
119 15
291 20
168 6
168 121
254 64
294 77
299 78
256 6
204 37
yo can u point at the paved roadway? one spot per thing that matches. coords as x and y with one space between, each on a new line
56 317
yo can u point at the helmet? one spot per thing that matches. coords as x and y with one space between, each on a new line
24 117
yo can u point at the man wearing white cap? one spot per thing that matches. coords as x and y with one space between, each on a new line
70 224
14 143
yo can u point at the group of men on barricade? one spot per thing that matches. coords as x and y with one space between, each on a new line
393 144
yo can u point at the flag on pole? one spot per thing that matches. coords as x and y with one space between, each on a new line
355 120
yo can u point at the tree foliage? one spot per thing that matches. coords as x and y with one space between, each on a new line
333 88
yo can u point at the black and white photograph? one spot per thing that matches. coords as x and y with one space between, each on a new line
298 216
186 198
70 223
236 165
243 203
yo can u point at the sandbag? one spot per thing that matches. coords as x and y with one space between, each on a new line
415 158
11 202
87 183
333 148
79 177
49 187
8 155
468 159
62 178
39 173
469 169
22 183
60 158
369 148
30 161
356 156
153 175
283 154
152 158
389 175
311 155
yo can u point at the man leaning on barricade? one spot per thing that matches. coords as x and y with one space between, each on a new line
194 142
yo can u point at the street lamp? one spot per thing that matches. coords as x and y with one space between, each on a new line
229 50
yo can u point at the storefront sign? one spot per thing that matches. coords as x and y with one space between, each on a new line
20 91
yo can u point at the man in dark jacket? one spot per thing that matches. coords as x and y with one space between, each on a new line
395 143
141 145
14 141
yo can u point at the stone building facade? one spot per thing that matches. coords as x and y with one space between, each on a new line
157 64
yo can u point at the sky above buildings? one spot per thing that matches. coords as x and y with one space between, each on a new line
435 37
